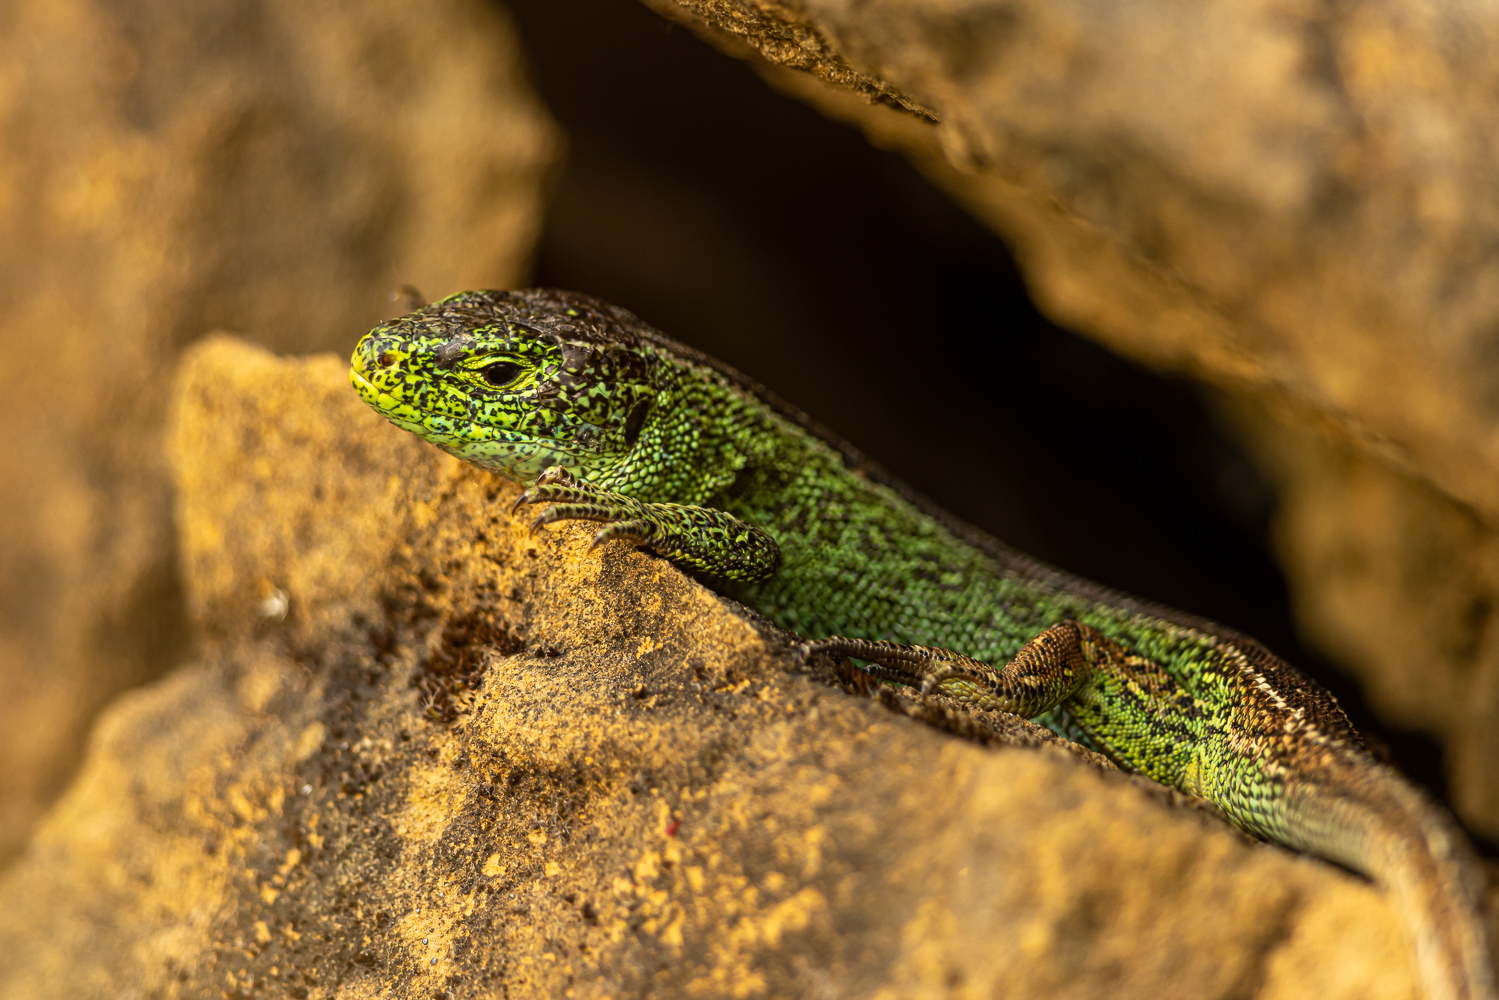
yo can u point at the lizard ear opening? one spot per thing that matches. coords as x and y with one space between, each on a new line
635 422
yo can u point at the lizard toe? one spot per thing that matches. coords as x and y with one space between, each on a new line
576 512
631 531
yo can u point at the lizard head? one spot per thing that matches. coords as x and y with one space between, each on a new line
513 381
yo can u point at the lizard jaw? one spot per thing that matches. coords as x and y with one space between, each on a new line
516 457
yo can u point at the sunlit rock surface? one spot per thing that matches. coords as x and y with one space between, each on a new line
166 167
424 753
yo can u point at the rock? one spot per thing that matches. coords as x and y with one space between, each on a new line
1294 204
1276 197
1401 581
422 752
169 167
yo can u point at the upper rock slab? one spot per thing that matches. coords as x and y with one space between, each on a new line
1283 198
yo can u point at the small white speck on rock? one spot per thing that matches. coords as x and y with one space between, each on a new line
274 606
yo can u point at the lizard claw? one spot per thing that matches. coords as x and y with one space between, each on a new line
559 511
554 475
538 492
814 647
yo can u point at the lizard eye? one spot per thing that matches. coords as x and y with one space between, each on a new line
501 373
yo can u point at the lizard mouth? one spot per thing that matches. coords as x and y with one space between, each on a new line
458 434
385 401
401 412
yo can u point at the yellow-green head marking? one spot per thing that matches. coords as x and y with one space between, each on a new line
512 381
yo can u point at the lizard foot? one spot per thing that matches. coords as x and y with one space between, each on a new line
699 538
927 667
573 499
1046 671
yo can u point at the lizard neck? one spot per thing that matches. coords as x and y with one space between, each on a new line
700 434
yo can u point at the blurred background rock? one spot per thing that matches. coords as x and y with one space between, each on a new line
272 168
1294 211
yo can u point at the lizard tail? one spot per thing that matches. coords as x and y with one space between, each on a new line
1367 817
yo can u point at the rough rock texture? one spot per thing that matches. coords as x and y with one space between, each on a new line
1292 201
424 753
1401 580
167 167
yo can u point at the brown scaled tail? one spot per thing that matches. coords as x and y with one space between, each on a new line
1367 817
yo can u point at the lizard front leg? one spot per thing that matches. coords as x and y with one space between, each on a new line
701 538
1044 673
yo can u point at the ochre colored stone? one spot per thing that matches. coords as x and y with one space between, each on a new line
168 167
423 752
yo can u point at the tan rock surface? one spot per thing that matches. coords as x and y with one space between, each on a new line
1400 580
168 167
424 753
1292 202
1275 196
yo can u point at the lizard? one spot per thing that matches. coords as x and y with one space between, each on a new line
605 419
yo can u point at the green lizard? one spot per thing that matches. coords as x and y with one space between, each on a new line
612 422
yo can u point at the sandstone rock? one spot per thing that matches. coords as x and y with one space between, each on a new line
168 167
1292 203
1400 580
425 753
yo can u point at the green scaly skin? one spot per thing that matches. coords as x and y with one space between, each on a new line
615 423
